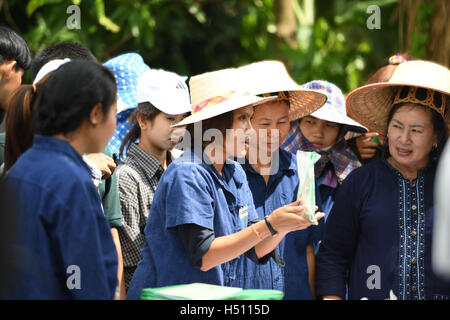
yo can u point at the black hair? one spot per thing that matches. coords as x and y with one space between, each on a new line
147 111
13 47
221 122
69 94
439 124
60 50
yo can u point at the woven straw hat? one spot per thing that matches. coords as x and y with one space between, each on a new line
218 92
271 76
370 104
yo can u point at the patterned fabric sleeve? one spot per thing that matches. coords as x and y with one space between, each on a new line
131 237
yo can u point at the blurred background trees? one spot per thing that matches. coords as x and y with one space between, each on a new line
319 39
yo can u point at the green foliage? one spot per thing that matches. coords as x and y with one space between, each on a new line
194 36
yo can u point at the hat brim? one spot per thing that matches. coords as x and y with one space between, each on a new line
370 105
327 113
304 102
223 107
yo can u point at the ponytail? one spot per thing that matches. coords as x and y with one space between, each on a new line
132 136
145 110
19 129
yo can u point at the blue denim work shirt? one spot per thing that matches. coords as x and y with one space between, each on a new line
64 239
192 192
281 189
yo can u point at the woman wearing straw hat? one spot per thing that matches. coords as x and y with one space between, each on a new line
323 132
197 229
273 177
378 236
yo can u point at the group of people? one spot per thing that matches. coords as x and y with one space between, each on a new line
120 177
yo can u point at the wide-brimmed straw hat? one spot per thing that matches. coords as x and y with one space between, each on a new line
270 77
370 104
334 109
218 92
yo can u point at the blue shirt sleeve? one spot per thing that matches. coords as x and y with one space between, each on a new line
339 240
188 196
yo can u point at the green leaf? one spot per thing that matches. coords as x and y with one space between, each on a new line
33 5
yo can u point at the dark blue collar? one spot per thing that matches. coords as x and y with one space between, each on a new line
431 166
49 143
229 170
286 160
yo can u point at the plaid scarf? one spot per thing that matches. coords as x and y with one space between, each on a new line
343 160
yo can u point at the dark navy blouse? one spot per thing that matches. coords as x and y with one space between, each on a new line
378 237
63 237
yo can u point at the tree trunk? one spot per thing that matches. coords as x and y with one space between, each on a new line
286 22
439 36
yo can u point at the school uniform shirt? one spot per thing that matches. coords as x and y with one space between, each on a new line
291 274
192 192
63 235
378 237
138 178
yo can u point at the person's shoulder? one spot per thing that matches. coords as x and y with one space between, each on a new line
367 171
127 171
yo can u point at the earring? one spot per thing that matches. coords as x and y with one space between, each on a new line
94 122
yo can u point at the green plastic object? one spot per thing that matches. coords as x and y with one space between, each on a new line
375 139
248 294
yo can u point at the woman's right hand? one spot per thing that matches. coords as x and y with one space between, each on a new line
291 218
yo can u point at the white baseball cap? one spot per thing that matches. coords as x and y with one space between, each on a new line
50 66
165 90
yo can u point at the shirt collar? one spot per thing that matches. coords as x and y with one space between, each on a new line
55 144
229 170
146 161
430 166
286 160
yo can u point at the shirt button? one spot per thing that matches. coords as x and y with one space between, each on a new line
413 288
414 233
413 260
414 207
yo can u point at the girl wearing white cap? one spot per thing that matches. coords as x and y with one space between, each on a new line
163 100
198 229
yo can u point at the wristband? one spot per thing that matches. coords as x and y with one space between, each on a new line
271 229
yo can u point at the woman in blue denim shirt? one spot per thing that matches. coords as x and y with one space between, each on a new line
63 237
197 229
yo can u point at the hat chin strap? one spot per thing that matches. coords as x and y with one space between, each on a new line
428 102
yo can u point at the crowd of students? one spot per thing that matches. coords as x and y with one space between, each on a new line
118 177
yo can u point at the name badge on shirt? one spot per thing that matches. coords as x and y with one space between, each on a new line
243 212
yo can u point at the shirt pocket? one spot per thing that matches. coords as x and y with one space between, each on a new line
240 215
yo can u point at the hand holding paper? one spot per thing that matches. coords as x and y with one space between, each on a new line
306 189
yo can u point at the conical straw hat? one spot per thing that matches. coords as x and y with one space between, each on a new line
271 76
218 92
370 104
